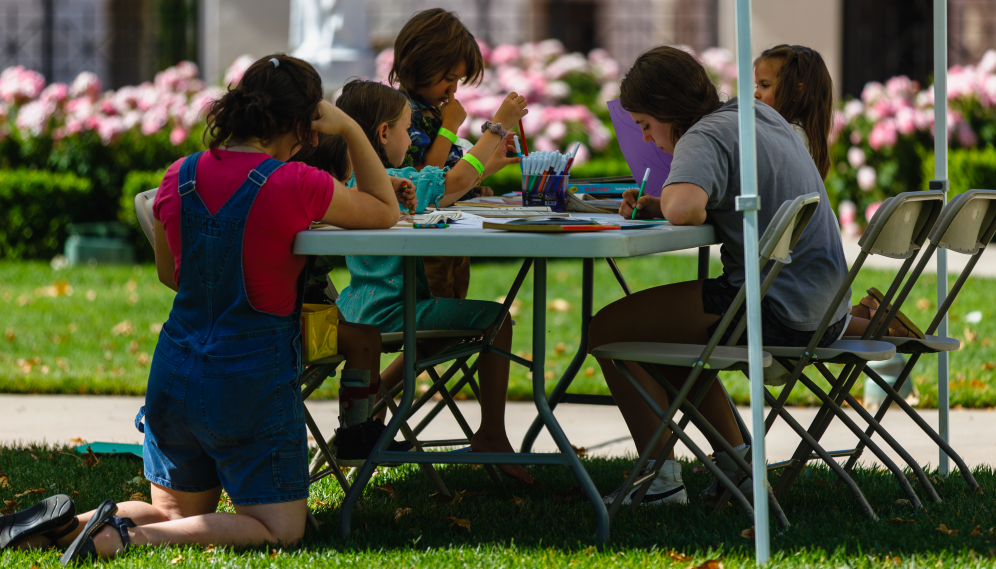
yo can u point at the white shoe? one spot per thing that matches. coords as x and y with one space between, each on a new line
729 467
667 488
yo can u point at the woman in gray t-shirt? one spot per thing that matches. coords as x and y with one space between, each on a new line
670 96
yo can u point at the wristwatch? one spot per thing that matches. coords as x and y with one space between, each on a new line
495 128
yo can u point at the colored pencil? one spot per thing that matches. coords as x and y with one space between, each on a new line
525 145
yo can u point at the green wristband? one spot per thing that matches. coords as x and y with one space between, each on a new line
447 134
475 163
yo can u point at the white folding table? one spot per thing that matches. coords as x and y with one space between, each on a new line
536 248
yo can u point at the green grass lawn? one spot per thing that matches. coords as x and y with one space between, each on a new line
402 525
93 330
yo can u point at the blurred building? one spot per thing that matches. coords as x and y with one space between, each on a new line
127 41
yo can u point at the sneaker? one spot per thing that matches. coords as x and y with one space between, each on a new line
355 443
729 467
667 488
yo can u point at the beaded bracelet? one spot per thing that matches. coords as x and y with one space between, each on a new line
447 134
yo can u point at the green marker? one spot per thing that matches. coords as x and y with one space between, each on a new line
643 184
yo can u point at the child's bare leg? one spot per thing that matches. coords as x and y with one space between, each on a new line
390 377
491 435
671 313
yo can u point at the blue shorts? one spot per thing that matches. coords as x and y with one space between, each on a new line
235 422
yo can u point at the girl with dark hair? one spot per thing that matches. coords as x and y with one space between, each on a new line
668 93
794 81
223 405
375 294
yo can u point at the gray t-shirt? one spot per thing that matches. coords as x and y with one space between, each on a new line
708 155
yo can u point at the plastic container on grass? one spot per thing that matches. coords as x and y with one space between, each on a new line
99 243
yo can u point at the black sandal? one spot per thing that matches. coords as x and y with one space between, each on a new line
83 548
44 518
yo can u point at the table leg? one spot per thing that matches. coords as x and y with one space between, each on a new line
703 263
543 407
407 397
587 286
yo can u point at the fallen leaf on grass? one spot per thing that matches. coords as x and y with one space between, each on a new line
988 366
438 496
625 474
12 507
90 459
944 529
176 559
518 501
138 497
922 303
458 522
900 521
389 488
580 451
4 483
400 513
748 533
29 492
125 327
560 305
589 371
560 348
970 336
976 532
902 502
209 548
10 335
711 564
679 557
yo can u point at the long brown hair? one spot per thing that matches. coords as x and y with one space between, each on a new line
432 43
269 101
811 107
671 86
370 104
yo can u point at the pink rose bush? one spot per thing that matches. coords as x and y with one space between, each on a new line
881 141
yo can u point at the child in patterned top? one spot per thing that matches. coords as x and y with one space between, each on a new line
375 294
433 53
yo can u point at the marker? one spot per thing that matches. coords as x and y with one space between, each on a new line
570 161
518 152
525 145
643 184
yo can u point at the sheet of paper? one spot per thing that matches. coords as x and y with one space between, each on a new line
639 155
468 221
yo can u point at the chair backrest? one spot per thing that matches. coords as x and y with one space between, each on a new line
901 224
967 223
143 211
786 228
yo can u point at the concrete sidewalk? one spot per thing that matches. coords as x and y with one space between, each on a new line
601 430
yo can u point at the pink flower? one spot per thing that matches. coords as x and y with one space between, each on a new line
837 124
883 134
987 64
544 144
872 91
571 62
901 86
846 211
187 70
238 67
107 107
504 54
866 178
110 129
382 65
177 136
154 120
871 209
852 109
855 157
966 136
485 51
556 130
57 93
556 90
19 85
86 84
602 66
33 117
855 137
906 121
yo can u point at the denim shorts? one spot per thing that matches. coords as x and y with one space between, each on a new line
717 296
234 421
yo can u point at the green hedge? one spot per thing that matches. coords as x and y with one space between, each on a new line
36 208
134 184
510 180
972 169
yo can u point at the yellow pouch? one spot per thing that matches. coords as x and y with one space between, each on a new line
319 331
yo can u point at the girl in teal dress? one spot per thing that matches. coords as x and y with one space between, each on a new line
374 295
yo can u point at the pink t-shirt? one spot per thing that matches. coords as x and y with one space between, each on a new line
292 197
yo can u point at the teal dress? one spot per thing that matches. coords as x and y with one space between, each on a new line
375 296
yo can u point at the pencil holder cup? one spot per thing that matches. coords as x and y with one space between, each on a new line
545 190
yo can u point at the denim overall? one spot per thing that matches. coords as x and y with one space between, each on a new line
223 405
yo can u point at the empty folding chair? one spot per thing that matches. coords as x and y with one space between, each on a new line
966 225
704 362
898 230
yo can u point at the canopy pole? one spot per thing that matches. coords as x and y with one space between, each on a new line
941 175
748 203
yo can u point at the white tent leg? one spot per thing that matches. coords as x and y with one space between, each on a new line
748 203
941 174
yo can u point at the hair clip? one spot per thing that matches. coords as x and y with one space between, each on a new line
275 62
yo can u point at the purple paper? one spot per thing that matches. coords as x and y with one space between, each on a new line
639 155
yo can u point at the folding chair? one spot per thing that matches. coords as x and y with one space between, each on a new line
965 226
783 232
897 230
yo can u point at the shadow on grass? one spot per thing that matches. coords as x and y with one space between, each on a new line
401 515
